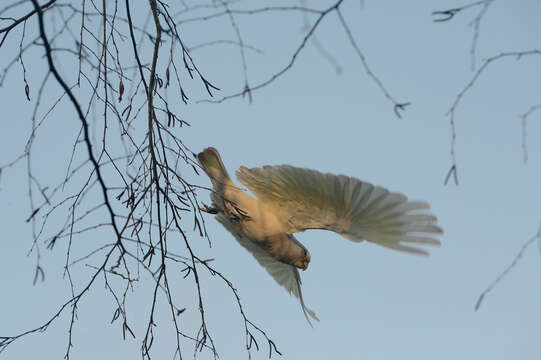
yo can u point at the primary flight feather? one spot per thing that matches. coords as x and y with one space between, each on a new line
291 199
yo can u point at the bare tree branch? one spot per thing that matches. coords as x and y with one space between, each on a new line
22 19
397 106
524 122
449 14
514 263
452 110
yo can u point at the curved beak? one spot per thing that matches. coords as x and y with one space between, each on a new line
305 261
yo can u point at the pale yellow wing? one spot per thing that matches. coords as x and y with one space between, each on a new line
357 210
286 275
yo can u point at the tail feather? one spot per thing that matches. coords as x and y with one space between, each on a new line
212 164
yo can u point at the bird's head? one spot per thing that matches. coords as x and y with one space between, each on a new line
297 255
303 259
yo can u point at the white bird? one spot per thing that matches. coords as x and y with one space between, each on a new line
291 199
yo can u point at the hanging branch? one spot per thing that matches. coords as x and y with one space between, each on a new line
536 237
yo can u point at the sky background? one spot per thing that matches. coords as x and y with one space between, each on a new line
373 303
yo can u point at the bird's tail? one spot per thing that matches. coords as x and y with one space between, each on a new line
212 164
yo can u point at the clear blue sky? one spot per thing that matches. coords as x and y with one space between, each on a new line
373 303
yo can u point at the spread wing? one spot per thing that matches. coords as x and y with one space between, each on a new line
357 210
286 275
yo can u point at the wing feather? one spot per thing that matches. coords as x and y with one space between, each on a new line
307 199
284 274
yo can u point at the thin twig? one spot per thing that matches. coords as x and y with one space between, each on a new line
514 263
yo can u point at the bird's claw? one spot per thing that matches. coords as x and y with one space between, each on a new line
208 209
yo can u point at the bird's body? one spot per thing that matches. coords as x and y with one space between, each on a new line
293 199
249 217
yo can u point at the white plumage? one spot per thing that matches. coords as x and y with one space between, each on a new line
291 199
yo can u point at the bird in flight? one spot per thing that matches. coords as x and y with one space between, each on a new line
291 199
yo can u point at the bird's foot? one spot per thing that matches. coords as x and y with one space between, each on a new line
208 209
